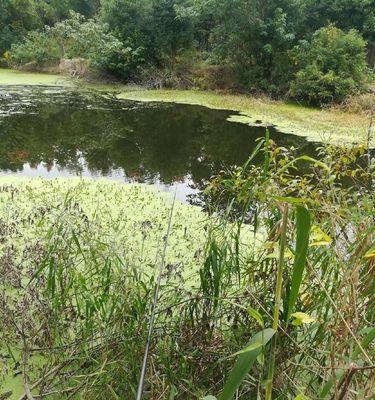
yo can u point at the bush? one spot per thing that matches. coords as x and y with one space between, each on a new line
77 38
331 67
37 47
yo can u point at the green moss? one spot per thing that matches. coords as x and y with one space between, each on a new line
128 221
120 211
13 77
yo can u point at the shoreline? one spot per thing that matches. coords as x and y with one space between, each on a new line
331 125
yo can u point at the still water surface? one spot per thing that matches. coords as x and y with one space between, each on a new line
60 132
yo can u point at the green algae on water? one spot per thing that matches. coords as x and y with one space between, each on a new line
14 77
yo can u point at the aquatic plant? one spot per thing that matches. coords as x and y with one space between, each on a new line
267 295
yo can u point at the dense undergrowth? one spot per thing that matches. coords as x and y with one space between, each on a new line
284 256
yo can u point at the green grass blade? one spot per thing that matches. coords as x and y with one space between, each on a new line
365 342
324 394
303 224
244 363
266 165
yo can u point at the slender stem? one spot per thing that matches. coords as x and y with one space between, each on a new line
278 300
154 305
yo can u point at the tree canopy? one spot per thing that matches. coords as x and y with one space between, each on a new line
270 46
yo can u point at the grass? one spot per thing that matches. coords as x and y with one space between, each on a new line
80 262
329 125
125 225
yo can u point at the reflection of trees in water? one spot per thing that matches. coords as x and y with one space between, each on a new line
147 142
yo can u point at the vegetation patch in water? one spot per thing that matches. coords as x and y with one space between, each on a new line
74 219
14 77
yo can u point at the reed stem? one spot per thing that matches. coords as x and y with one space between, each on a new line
278 301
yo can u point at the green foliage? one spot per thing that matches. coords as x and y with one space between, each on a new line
18 17
331 67
155 30
252 45
36 47
72 38
303 224
79 276
245 362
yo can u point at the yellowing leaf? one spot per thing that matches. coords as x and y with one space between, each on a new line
301 397
301 318
370 253
319 237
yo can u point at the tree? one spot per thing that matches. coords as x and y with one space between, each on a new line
18 17
345 14
254 37
330 67
76 37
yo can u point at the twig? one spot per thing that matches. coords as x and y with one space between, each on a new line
25 378
53 371
342 317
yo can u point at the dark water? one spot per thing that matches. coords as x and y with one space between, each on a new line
53 132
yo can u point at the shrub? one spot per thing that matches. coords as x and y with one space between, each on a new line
37 47
331 67
77 37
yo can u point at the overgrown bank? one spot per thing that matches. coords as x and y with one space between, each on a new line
333 125
281 268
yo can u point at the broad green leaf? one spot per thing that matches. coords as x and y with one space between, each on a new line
365 342
209 397
291 200
248 348
244 363
303 222
315 161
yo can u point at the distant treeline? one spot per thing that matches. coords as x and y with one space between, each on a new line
318 51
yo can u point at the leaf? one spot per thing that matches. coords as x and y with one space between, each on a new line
255 314
291 200
327 387
244 363
365 342
302 318
173 392
303 222
301 396
319 237
248 348
316 162
209 397
370 253
260 359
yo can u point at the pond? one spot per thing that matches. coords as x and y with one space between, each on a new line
61 132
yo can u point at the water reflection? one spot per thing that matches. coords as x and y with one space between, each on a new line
60 132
